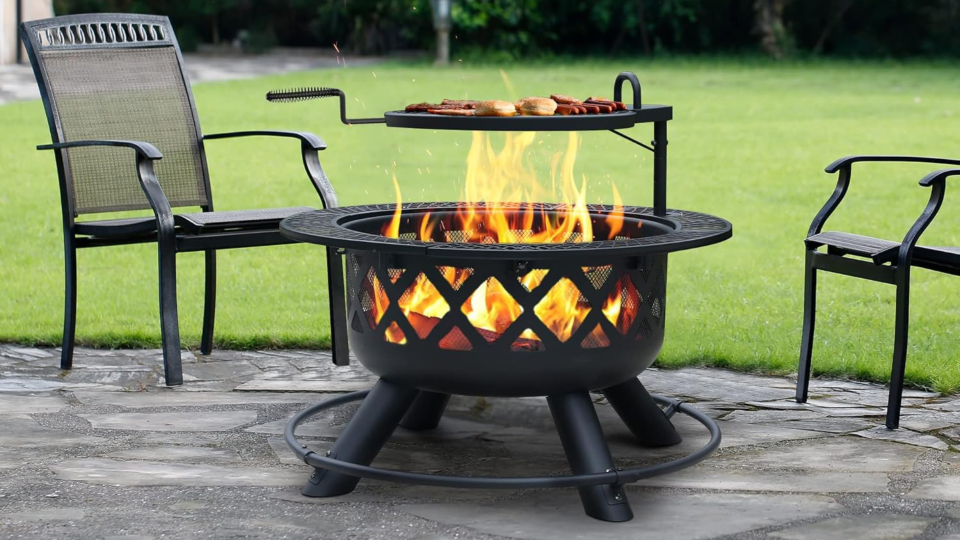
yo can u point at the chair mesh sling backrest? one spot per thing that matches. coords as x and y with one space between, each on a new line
118 76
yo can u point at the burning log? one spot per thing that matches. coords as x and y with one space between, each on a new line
456 341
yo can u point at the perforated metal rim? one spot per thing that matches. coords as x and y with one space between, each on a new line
328 227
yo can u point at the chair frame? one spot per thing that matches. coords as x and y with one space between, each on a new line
896 273
170 239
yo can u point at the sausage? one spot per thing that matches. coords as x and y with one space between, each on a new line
592 109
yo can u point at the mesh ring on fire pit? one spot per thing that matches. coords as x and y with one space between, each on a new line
343 227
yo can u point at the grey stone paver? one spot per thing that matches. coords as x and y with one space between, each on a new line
706 477
181 454
158 473
556 514
944 488
835 454
107 451
222 421
903 435
895 527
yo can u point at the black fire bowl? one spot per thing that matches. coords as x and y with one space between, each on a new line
418 376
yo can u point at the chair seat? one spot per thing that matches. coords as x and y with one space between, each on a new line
883 251
231 219
117 227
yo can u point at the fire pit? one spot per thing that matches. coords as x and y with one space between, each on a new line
504 299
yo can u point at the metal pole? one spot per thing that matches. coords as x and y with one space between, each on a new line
660 168
16 31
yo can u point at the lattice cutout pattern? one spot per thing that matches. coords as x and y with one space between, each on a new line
455 276
622 305
423 305
373 299
596 339
491 309
563 309
583 307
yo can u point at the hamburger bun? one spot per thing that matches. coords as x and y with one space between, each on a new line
495 108
537 106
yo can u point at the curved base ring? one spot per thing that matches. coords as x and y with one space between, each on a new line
614 477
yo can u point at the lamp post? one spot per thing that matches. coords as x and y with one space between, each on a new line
16 31
442 24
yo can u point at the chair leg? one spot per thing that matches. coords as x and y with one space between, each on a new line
809 320
899 351
209 302
69 301
169 319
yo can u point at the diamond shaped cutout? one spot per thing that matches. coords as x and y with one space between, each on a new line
597 275
527 341
532 279
643 331
657 294
394 274
393 334
563 309
596 339
455 276
423 305
355 323
491 309
373 299
622 305
455 341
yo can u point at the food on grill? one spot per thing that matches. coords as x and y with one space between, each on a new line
617 105
537 106
453 112
461 103
496 108
419 107
565 100
531 106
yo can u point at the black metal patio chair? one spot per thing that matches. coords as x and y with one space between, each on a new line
117 101
877 260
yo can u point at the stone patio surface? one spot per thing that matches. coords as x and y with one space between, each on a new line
107 451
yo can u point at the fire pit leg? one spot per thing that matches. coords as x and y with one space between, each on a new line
364 436
587 452
641 414
426 411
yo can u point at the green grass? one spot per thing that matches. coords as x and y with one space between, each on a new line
749 143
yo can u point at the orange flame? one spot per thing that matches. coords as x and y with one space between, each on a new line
504 176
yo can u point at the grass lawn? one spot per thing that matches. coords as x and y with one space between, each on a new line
748 142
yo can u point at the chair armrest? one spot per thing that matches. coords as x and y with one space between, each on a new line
146 155
937 182
310 146
144 149
938 177
843 166
309 139
849 160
